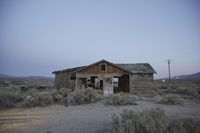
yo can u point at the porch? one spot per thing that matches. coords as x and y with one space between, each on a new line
109 83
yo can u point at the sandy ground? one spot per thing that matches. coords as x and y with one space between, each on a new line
90 118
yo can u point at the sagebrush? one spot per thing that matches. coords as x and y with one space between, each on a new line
83 96
121 99
152 121
171 100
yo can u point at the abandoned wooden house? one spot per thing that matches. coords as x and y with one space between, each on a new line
109 77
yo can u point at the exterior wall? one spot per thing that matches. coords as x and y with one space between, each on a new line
141 84
63 80
107 79
96 69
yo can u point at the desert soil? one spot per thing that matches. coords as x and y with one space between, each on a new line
90 118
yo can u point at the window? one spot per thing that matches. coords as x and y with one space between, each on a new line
115 81
103 67
93 81
73 78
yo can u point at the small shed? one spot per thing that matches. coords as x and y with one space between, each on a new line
111 78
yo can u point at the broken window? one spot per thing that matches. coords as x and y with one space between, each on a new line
115 82
103 67
93 81
73 77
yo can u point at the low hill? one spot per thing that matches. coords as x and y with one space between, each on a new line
4 76
190 76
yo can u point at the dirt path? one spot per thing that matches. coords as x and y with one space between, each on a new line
91 118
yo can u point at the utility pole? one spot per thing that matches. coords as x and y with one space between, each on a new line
169 61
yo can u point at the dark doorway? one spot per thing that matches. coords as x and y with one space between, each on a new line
101 84
92 79
121 84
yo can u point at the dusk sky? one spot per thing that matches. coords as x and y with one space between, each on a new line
40 36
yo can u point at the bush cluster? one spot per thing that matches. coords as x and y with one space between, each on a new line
121 99
33 97
83 96
8 99
152 121
39 99
187 89
171 100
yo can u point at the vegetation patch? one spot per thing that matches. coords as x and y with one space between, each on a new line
152 121
171 100
39 99
187 89
121 99
83 96
64 91
8 99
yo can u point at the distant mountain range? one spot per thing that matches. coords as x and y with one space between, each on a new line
187 77
191 76
4 76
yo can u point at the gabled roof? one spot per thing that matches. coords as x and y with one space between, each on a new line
100 62
130 68
137 68
69 70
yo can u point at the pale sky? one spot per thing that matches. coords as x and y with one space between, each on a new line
40 36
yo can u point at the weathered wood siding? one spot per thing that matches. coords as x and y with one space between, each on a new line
141 84
63 80
96 69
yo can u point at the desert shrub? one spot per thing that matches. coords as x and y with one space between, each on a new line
82 96
58 98
77 96
184 125
65 101
8 99
163 86
31 101
188 91
45 99
117 99
64 92
171 100
24 88
121 99
39 99
152 121
90 94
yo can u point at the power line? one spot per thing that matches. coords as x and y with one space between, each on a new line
169 61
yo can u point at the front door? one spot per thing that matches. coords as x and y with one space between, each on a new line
108 86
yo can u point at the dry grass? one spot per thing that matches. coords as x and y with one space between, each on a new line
121 99
171 100
152 121
187 89
8 99
83 96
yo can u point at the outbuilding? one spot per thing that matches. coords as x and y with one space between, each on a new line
110 77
